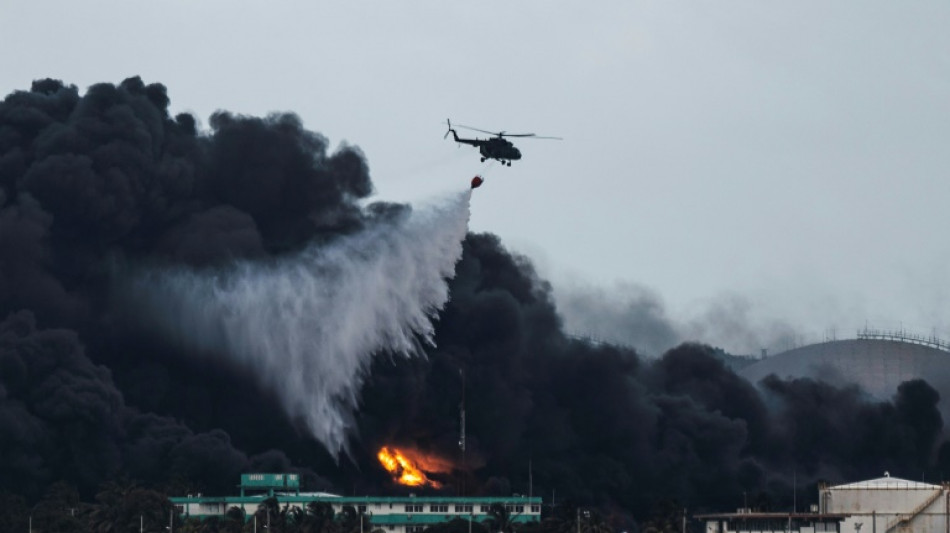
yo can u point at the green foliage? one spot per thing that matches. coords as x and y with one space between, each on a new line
124 506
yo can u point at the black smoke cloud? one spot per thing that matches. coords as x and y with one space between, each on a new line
600 425
91 182
62 417
107 178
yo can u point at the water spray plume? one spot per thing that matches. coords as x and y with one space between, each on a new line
308 325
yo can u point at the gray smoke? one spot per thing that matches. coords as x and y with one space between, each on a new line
308 325
634 315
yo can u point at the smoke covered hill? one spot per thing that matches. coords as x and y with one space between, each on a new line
93 183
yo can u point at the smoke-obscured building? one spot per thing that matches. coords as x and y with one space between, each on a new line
396 514
882 505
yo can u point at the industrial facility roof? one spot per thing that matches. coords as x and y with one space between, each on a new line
887 482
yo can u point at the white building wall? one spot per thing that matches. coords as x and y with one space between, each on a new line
881 510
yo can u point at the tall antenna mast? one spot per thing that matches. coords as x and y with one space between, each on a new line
462 430
530 479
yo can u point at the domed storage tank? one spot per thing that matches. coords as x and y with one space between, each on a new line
877 362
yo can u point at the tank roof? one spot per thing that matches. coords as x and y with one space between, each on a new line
887 482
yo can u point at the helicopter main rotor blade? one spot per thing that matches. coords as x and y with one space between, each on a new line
503 134
476 129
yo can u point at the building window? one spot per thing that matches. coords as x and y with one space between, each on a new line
484 508
439 508
515 508
412 508
535 508
414 529
463 508
361 508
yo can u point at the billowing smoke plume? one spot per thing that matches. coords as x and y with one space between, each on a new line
309 323
636 316
600 425
107 178
255 209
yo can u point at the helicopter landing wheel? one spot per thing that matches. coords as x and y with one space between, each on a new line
483 160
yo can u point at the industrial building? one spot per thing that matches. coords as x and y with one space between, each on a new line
883 505
746 521
398 514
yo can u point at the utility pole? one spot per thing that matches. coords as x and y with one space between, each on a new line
794 491
462 431
530 481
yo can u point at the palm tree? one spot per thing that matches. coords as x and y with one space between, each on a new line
349 520
665 518
234 520
499 518
268 514
122 506
318 518
59 510
211 524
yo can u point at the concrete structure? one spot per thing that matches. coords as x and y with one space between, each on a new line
400 514
889 505
882 505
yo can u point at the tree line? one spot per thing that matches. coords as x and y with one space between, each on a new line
124 506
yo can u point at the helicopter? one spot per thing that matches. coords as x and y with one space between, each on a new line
497 147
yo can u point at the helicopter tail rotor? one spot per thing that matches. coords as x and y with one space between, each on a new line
450 130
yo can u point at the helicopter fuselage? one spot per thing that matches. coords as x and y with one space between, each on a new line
493 148
498 148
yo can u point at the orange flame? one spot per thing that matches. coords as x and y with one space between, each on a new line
404 469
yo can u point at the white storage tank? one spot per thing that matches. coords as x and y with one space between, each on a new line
888 505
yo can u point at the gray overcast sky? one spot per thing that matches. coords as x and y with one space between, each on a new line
794 156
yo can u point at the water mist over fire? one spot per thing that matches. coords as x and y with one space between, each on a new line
308 325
